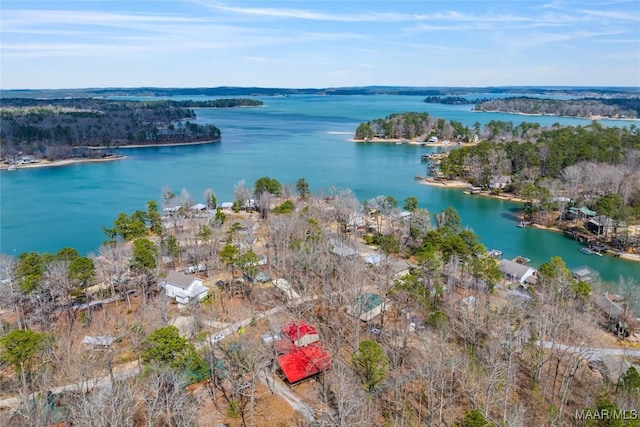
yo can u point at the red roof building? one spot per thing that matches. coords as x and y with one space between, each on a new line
300 334
304 363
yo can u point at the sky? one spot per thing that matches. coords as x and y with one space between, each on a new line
318 44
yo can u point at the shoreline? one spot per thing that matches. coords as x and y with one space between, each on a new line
443 183
454 183
457 184
64 162
414 141
171 144
590 118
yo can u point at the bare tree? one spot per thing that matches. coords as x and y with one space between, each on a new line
9 293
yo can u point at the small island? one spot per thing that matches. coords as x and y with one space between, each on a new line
38 132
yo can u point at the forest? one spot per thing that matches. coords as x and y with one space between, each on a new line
452 340
67 128
614 108
598 92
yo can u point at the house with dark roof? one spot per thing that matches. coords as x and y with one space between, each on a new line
584 274
609 308
517 272
184 288
602 224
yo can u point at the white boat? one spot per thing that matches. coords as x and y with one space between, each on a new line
587 251
494 253
11 168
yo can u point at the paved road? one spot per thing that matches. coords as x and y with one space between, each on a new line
591 353
105 381
91 384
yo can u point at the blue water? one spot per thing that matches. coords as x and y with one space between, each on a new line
44 209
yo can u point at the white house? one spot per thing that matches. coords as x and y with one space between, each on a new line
184 288
499 181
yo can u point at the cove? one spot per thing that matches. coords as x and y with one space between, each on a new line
44 209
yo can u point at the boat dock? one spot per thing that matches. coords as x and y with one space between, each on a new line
521 259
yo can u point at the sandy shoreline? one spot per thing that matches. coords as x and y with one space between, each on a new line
591 118
452 183
415 142
442 183
65 162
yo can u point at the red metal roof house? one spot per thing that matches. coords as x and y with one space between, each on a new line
304 363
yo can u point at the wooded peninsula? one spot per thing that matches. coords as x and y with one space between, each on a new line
626 107
91 128
550 168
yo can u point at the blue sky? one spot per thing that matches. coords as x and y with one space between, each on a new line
207 43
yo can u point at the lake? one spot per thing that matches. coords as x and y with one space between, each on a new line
306 136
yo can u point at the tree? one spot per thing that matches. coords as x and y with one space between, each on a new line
153 216
241 196
210 198
21 348
267 185
82 270
9 294
371 363
302 186
410 204
144 254
286 207
630 380
229 254
474 418
166 347
29 270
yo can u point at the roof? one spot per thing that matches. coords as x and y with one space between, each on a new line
373 259
581 273
501 179
104 340
344 251
609 308
179 280
301 334
513 269
198 207
397 265
367 302
602 221
304 363
583 210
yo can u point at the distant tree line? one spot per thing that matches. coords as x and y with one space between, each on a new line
586 107
66 128
451 100
365 90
